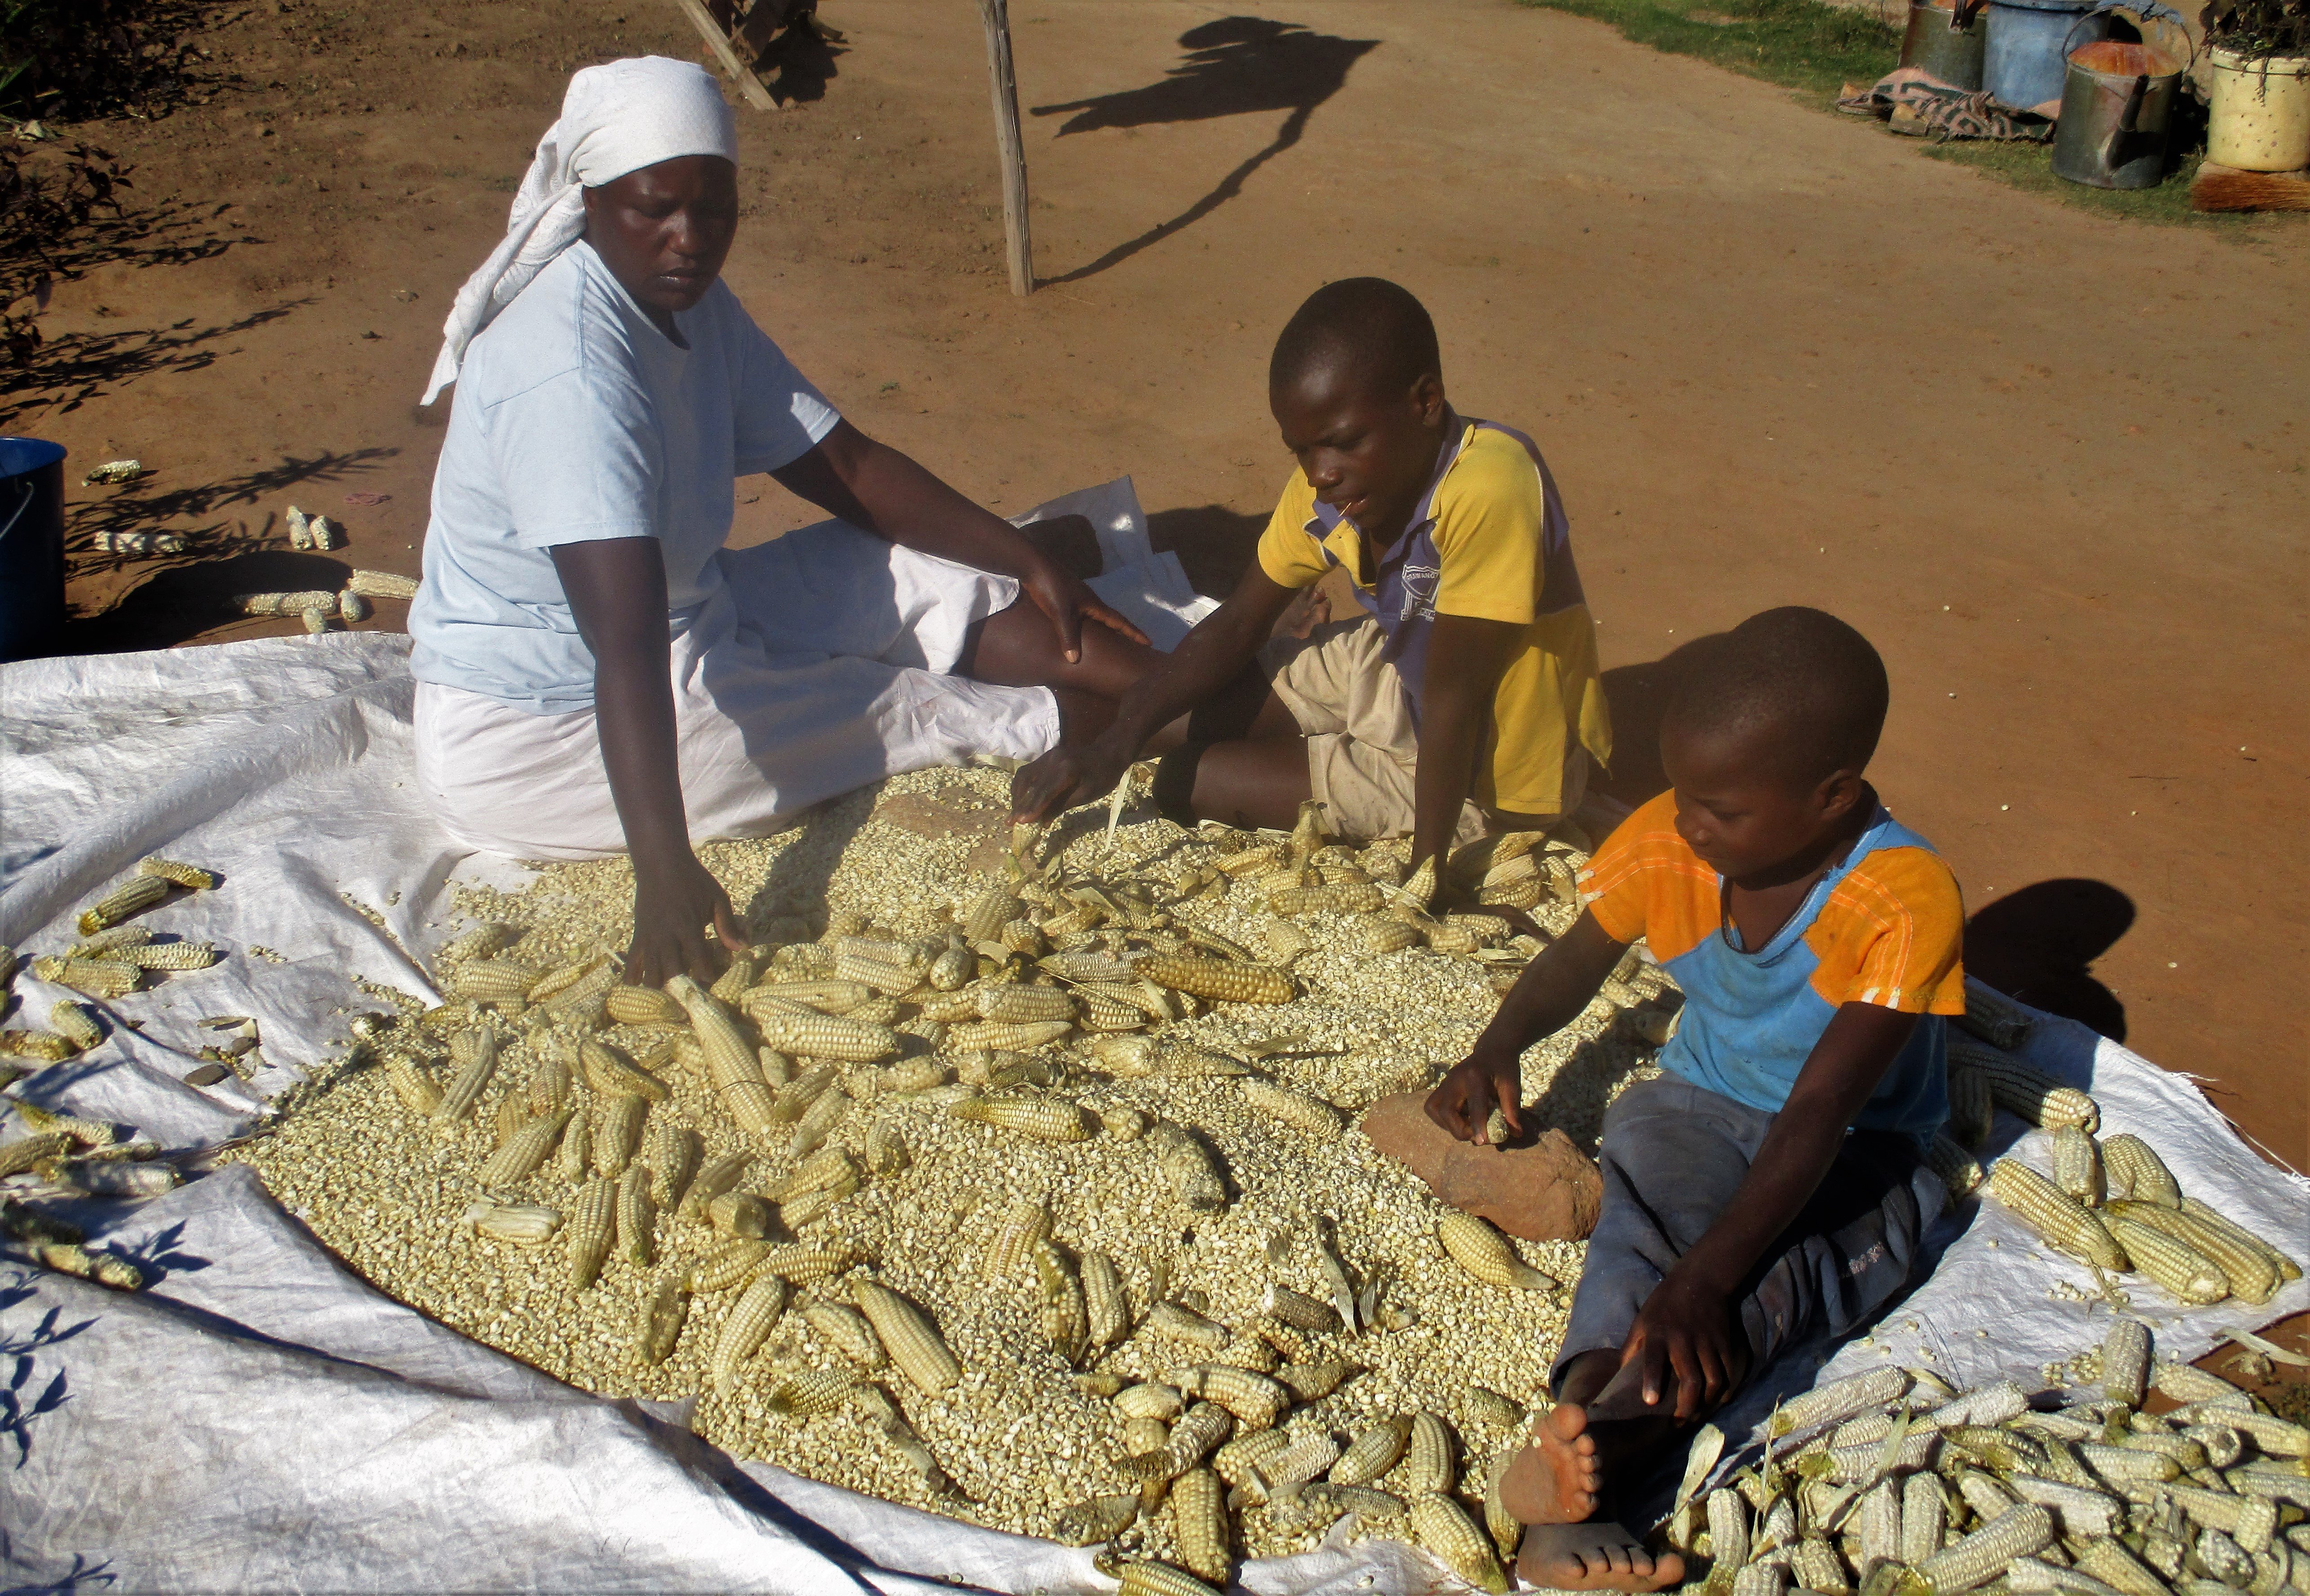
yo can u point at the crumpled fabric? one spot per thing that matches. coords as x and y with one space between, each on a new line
616 118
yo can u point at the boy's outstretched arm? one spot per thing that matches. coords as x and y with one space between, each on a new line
1210 657
1546 998
1466 657
1685 1331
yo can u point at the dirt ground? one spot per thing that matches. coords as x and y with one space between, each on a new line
2057 467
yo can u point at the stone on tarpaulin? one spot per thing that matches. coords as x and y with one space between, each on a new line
1546 1190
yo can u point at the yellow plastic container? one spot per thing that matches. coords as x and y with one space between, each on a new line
2259 117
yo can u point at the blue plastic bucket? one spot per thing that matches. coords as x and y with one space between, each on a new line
2024 60
31 546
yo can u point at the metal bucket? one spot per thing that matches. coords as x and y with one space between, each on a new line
2023 60
1951 53
2115 105
31 546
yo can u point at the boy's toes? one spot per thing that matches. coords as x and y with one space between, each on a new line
1593 1556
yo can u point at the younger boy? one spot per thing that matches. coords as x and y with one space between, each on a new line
1465 700
1768 1184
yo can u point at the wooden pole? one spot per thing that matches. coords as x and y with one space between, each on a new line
997 15
750 87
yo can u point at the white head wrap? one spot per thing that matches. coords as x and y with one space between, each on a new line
616 118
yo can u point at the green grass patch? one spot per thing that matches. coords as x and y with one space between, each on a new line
1815 49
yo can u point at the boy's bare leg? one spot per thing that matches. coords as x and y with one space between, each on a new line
1557 1484
1255 782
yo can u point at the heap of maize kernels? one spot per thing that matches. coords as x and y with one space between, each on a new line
1165 1277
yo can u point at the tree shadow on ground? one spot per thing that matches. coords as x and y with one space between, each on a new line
1235 66
2039 945
67 372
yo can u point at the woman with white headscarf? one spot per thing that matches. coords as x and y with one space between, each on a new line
596 672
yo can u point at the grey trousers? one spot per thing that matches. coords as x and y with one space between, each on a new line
1674 1154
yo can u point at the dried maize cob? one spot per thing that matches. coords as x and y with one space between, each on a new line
1144 1435
1238 1460
523 1224
2206 1215
1219 980
804 1263
1727 1512
1183 1323
287 604
1299 1310
673 1152
2118 1464
1106 1308
617 1132
474 1051
751 1321
411 1085
1311 1116
109 943
1479 1248
612 1074
2077 1166
132 896
827 1036
1482 1405
2184 1273
95 977
1103 1014
636 1217
1995 1018
1360 898
1431 1462
1023 937
2247 1269
1972 1108
727 1265
2022 1089
2107 1560
1500 1523
1375 1450
663 1317
1148 1399
811 1391
909 1336
381 585
1924 1517
1443 1527
801 1096
512 1115
1200 1430
176 872
890 979
1027 1223
740 1213
2133 1169
1024 1005
523 1151
2125 1361
498 982
643 1006
1817 1567
2276 1436
76 1023
996 1035
549 1086
824 994
720 1174
1043 1119
1839 1400
2057 1220
1101 1518
1385 933
1190 1168
1958 1170
168 957
2019 1532
846 1330
1145 1577
1256 1401
818 1123
1283 941
593 1226
44 1048
1065 1323
1200 1524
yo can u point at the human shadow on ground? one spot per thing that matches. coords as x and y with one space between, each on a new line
1214 543
1235 66
2039 945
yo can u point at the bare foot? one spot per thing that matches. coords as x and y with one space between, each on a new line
1599 1556
1555 1479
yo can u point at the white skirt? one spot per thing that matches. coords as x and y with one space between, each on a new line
821 666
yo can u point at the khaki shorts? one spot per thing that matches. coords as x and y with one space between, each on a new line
1362 744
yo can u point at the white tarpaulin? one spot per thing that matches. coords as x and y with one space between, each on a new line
260 1418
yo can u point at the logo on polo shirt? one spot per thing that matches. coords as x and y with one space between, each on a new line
1419 592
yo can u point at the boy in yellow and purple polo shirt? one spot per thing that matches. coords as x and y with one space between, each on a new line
1769 1183
1464 700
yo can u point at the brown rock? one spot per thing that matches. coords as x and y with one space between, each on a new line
1548 1190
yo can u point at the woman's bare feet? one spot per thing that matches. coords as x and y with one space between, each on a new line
1555 1480
1597 1556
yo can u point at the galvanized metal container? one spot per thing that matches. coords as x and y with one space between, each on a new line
1952 53
2024 57
2115 105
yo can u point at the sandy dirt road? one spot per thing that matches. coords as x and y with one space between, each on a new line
2058 468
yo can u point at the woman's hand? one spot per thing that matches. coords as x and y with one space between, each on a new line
1462 1103
1069 602
680 913
1064 777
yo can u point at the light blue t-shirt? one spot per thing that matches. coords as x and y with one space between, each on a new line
576 419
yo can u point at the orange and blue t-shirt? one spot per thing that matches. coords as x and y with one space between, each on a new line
1886 926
